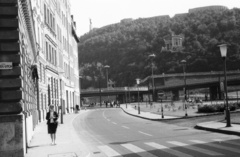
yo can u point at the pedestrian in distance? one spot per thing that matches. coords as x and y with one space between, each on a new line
52 122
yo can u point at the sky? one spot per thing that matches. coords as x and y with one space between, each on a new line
106 12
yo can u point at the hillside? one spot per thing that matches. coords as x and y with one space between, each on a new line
125 46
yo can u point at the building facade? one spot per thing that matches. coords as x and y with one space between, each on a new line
38 67
214 7
173 42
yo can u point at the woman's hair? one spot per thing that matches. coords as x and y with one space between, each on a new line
51 107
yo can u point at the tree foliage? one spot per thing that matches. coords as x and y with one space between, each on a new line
126 46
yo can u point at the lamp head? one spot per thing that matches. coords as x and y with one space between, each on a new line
138 81
183 62
152 55
106 66
223 50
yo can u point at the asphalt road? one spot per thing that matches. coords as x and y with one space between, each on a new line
111 132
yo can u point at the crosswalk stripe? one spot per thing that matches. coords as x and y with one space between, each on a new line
198 141
230 142
114 123
136 149
218 146
201 150
108 151
133 148
144 133
125 127
168 150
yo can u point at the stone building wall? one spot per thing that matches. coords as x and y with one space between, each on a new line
18 115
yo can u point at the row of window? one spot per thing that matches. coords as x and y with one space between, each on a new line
65 44
67 70
49 18
28 87
54 93
69 96
42 73
59 34
43 101
54 90
51 53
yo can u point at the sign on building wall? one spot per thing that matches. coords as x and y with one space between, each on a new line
5 65
222 86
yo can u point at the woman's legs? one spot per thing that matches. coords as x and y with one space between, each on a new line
52 137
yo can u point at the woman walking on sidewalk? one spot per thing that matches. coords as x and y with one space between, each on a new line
52 123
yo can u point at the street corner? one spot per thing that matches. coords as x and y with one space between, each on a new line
219 127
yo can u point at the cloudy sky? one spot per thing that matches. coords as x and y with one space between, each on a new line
105 12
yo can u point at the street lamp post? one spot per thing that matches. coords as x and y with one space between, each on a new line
138 81
80 101
99 84
129 96
162 109
100 90
223 50
61 101
185 90
126 95
49 92
152 56
107 67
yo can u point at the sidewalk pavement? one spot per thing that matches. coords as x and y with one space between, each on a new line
68 142
213 126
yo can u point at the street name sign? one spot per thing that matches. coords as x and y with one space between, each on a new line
6 65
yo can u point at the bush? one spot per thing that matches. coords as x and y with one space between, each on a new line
217 108
206 109
236 105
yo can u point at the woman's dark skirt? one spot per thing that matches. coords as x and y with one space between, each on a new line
52 128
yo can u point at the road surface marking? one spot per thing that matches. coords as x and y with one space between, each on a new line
105 116
201 150
125 127
230 142
144 133
108 151
168 150
198 141
114 123
133 148
218 146
136 149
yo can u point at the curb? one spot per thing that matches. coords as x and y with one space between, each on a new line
188 117
198 126
151 118
210 114
217 130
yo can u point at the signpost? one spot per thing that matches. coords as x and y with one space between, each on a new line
160 98
6 65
